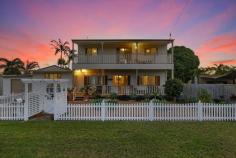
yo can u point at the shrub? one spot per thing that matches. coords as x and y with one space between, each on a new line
98 100
156 95
113 96
173 88
133 96
204 96
123 97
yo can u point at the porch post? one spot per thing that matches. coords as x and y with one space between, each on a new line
26 105
172 59
102 46
103 81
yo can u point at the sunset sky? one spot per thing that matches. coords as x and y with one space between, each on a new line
206 26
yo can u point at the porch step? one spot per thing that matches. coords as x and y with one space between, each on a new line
42 116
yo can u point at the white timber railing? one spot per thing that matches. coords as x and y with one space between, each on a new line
132 58
12 107
150 111
128 90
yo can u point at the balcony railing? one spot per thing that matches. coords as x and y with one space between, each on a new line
123 59
106 90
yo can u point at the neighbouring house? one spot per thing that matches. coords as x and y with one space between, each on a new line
12 84
227 78
122 66
54 72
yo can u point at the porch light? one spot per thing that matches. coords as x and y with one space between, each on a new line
148 50
77 72
122 49
94 50
84 70
135 46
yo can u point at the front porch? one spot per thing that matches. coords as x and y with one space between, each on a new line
121 82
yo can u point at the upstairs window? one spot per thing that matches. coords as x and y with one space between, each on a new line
150 50
92 51
53 76
93 80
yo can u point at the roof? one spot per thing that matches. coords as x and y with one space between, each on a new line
16 76
53 68
122 40
228 75
45 80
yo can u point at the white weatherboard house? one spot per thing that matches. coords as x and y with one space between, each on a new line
123 66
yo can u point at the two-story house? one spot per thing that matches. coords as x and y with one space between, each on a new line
123 66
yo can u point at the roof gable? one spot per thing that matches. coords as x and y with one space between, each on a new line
53 68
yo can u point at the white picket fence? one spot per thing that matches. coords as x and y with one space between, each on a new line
150 111
12 107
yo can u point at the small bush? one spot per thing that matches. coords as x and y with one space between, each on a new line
123 97
139 98
98 100
133 96
173 88
113 96
204 96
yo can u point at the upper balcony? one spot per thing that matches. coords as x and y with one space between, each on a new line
122 54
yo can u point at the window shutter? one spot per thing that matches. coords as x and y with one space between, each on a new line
85 80
105 82
128 80
138 80
157 80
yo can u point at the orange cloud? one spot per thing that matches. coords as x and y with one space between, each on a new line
225 62
221 46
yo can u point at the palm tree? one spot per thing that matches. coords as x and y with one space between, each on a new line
62 48
70 56
29 67
11 67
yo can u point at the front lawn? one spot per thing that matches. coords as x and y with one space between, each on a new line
117 139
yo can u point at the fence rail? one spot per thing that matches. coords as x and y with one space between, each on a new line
150 111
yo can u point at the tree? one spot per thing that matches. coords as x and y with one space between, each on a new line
217 69
11 67
29 67
185 63
70 56
173 88
62 48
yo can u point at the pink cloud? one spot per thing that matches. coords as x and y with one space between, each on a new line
225 62
224 44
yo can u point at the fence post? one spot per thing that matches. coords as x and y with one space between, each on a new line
151 114
200 116
55 100
235 112
26 105
103 106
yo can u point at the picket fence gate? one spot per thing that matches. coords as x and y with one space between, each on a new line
149 111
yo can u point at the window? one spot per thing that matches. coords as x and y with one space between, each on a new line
119 80
93 80
124 50
149 80
150 50
92 51
53 76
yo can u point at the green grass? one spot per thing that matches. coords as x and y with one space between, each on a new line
117 139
